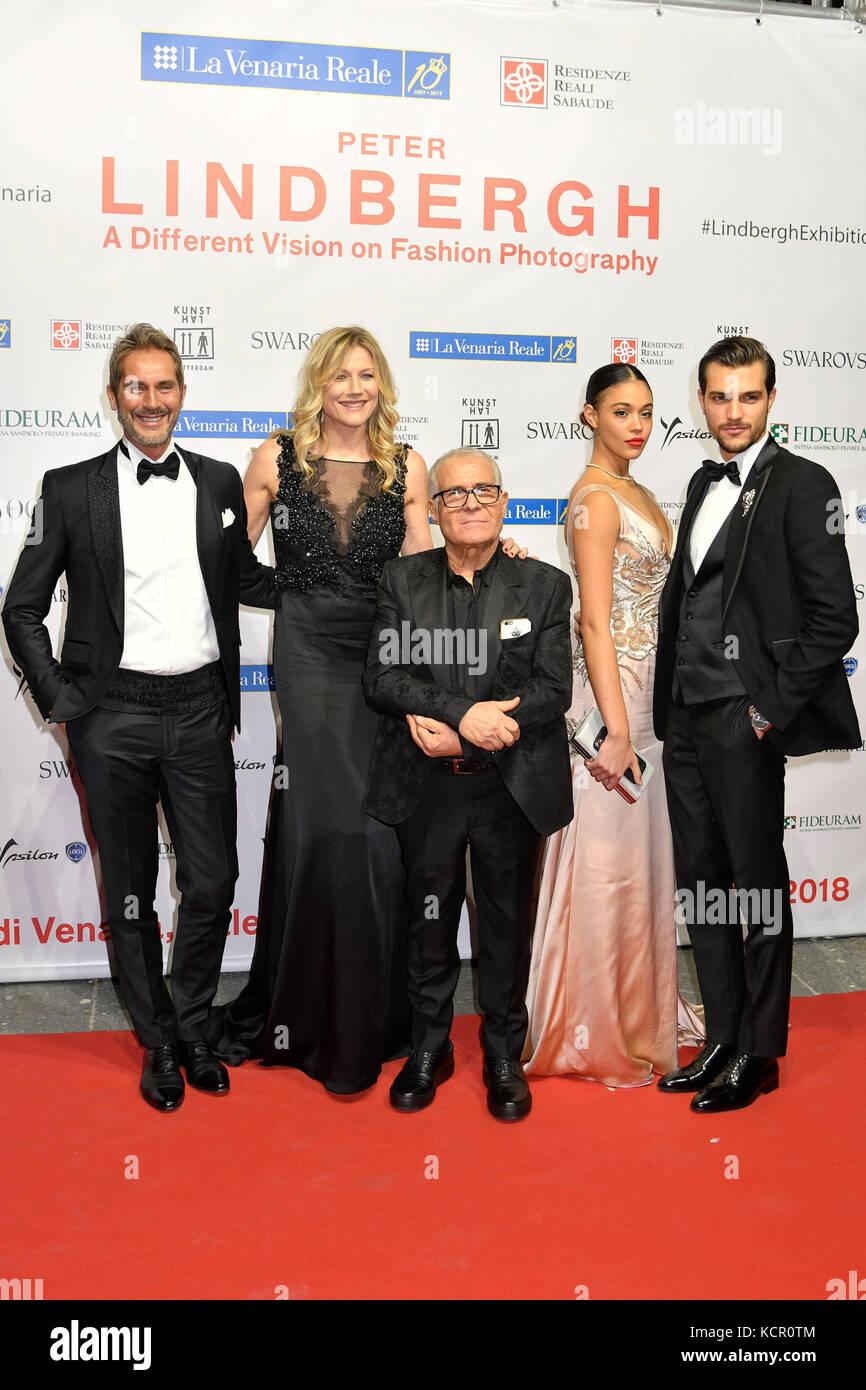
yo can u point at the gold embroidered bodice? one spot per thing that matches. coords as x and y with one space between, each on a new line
640 566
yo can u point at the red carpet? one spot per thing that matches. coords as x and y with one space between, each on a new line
280 1184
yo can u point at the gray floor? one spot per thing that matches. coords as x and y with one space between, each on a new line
828 965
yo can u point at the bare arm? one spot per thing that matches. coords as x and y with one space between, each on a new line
415 505
594 545
260 487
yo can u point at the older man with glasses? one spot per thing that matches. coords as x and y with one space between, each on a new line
470 666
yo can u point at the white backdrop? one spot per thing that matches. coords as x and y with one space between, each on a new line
507 195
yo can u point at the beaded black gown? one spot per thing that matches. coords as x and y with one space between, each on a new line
327 987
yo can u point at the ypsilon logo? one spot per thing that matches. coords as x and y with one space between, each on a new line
311 67
850 663
499 347
8 856
239 424
76 851
673 432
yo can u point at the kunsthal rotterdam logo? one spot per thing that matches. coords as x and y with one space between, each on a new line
312 67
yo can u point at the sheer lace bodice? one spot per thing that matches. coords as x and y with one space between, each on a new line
640 566
340 528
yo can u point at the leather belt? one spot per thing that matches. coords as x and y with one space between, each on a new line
462 767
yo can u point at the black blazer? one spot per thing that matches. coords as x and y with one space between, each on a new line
81 535
787 600
536 666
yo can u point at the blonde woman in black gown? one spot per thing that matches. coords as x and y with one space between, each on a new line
327 987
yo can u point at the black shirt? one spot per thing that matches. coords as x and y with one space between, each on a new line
465 603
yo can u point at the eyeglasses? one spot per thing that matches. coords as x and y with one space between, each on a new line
484 493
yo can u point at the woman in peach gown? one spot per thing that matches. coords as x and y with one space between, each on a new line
602 999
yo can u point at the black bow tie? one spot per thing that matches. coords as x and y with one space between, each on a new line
715 471
168 467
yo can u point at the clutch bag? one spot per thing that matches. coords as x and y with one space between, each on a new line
588 736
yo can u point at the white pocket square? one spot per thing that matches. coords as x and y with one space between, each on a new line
228 516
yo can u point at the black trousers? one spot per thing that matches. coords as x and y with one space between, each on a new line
127 763
478 811
726 792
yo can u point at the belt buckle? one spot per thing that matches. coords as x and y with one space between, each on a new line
462 767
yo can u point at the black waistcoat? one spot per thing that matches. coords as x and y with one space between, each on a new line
702 669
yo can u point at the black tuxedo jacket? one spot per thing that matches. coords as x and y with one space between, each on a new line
787 599
536 666
81 535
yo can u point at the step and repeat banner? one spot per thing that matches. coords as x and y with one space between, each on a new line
508 195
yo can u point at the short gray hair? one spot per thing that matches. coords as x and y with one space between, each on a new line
469 452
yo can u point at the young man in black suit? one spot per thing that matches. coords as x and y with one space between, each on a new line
154 545
470 664
754 620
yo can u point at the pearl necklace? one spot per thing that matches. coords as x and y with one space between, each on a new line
622 477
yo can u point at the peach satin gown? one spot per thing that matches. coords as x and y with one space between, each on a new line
602 999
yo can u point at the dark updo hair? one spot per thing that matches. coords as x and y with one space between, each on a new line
611 374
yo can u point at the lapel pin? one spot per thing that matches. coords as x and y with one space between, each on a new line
748 499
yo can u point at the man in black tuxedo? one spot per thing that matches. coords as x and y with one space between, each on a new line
754 620
470 664
154 545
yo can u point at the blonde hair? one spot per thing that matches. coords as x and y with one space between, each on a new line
323 361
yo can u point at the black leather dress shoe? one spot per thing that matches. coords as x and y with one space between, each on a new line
161 1080
742 1081
508 1093
711 1059
415 1084
203 1070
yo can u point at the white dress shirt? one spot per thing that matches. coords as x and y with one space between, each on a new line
718 503
167 623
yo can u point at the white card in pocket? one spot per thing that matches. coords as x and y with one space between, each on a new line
514 627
